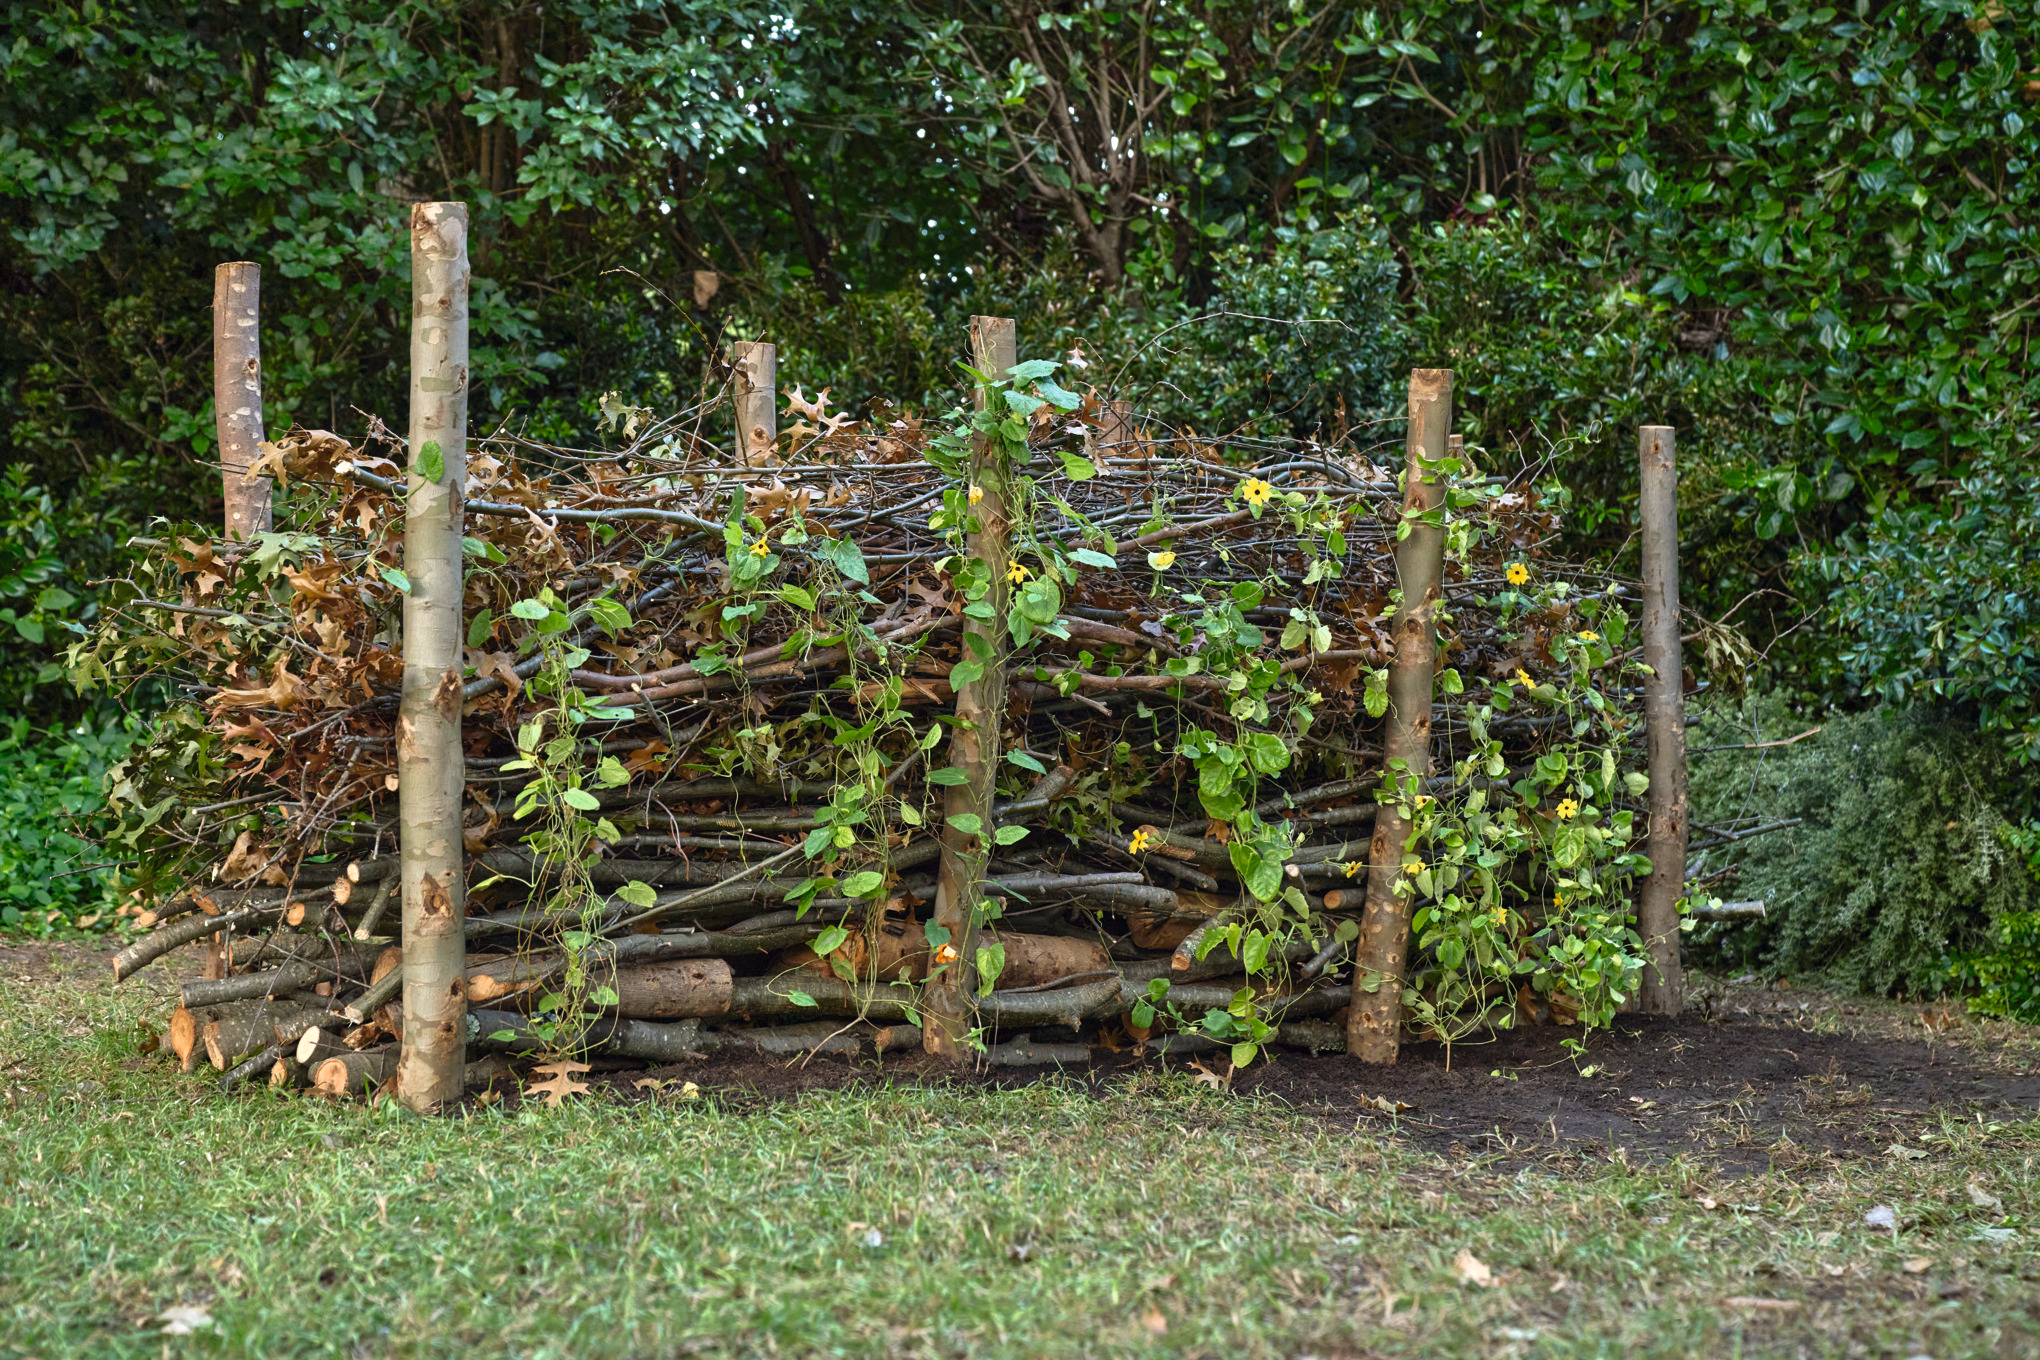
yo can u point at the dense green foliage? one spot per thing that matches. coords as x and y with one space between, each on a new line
1900 859
53 873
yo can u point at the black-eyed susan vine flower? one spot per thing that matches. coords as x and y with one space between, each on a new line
1589 635
1517 573
1352 867
1018 572
1256 492
1162 561
1140 842
977 493
946 954
761 547
1567 809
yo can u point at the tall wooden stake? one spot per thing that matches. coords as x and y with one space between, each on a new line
757 367
974 742
1664 716
1374 1024
237 395
429 758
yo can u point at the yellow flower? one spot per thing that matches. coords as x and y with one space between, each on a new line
1415 866
1558 899
761 547
1018 572
1161 561
1518 573
1589 635
1523 677
1352 867
1256 492
1140 842
977 493
1567 809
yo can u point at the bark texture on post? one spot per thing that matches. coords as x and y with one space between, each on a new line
429 759
237 395
1664 715
757 401
1374 1024
974 742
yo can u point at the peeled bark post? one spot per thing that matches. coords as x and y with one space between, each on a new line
1664 716
237 395
430 768
757 366
974 742
1374 1024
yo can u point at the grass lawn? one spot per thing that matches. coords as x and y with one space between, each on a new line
1150 1216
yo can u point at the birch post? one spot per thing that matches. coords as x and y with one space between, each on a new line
1374 1024
430 769
974 742
237 395
1664 715
757 366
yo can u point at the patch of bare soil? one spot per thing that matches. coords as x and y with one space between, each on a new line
1749 1079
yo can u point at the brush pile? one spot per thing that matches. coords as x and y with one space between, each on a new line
703 711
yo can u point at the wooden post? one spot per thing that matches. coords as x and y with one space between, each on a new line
1664 716
974 742
757 366
1374 1024
237 395
429 756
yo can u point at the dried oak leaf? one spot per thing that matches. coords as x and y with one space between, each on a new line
560 1084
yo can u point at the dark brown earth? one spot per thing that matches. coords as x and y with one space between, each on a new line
1752 1078
1749 1079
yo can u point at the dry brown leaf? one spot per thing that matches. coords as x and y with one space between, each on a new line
1471 1269
560 1084
1210 1078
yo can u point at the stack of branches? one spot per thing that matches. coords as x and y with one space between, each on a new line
702 712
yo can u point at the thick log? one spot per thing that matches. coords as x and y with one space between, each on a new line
667 991
821 1036
1657 917
348 963
430 769
825 996
350 1074
1032 960
248 1027
1069 1006
1025 1053
1374 1026
159 942
974 741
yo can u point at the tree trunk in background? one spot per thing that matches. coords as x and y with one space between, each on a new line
1664 716
1374 1024
974 742
757 396
429 757
237 395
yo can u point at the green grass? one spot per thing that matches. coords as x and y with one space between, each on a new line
1157 1218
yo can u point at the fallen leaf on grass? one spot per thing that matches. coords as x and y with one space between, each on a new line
1210 1078
1916 1265
1982 1198
1471 1269
560 1084
1385 1105
183 1320
1154 1321
1900 1150
1882 1217
1772 1305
